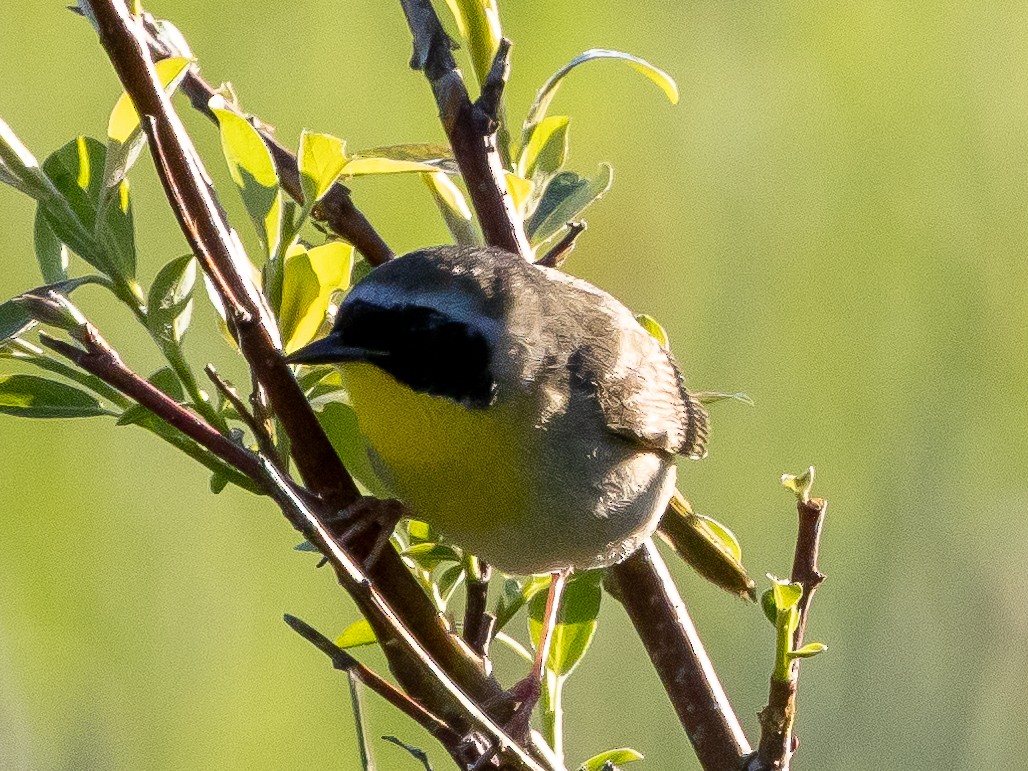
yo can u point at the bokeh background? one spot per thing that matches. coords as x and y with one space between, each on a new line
832 220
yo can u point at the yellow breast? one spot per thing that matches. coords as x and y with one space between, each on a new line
455 467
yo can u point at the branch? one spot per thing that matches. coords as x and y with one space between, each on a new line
478 623
470 127
555 257
777 741
644 587
336 209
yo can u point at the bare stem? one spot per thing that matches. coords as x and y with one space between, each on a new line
470 127
644 587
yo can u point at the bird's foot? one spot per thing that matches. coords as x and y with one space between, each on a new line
365 526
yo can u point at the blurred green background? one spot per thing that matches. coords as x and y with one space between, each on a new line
832 220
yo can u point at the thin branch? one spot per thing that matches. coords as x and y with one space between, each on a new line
644 587
478 623
777 719
259 431
560 251
344 662
470 127
336 209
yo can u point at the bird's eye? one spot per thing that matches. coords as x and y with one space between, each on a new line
423 348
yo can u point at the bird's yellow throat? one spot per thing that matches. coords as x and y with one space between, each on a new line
434 451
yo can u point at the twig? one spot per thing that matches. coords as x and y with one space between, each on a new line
478 623
336 209
470 127
560 251
644 587
344 662
413 751
227 390
777 741
357 703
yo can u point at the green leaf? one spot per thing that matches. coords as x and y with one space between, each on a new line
253 170
653 326
104 237
454 208
726 536
419 532
170 304
547 149
357 634
786 594
321 158
767 604
125 140
16 317
449 581
564 198
29 396
430 555
310 280
515 595
710 397
542 100
576 621
19 168
800 484
478 22
51 254
365 166
808 651
439 157
616 757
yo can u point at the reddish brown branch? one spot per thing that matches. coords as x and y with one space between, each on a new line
644 587
470 127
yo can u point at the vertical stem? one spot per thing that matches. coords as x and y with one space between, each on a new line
367 762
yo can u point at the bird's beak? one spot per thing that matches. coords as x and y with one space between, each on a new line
327 351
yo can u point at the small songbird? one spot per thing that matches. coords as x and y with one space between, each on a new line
524 414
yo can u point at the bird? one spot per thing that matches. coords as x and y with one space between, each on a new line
523 413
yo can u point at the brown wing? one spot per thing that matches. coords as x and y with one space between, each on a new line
638 386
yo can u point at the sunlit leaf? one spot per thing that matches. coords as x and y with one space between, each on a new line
252 169
616 757
654 327
726 536
357 634
29 396
19 167
565 197
808 651
478 22
363 166
310 279
125 139
170 304
520 189
576 621
453 207
321 158
515 595
430 555
542 100
786 594
439 156
546 150
800 484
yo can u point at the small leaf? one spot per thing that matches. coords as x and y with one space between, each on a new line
321 158
726 536
515 595
17 314
520 189
808 651
653 326
547 148
800 484
170 303
19 167
478 22
710 397
309 282
786 594
364 166
14 320
616 757
542 100
357 634
576 621
51 254
124 120
453 207
104 237
29 396
767 604
430 555
438 156
253 170
218 483
419 532
449 581
564 198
